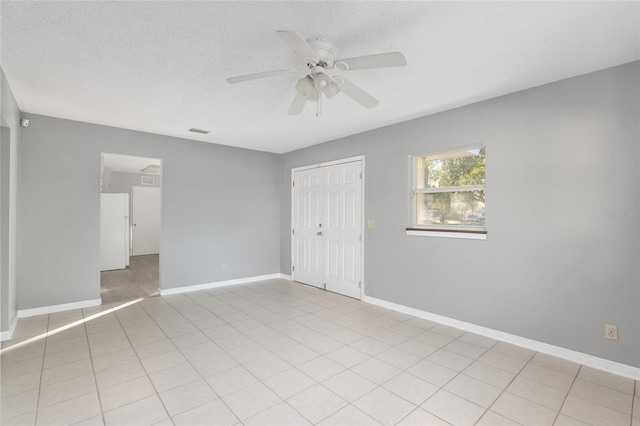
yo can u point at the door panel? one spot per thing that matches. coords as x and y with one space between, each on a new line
351 210
146 208
343 189
306 223
350 253
327 226
333 256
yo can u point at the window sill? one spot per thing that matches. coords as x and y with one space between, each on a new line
448 233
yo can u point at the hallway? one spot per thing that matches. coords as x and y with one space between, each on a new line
139 279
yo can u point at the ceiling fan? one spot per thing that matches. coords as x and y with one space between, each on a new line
319 56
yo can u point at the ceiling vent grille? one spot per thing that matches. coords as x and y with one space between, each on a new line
201 131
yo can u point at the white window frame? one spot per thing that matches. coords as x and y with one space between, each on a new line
441 230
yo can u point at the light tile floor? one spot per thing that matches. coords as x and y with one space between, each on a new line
281 353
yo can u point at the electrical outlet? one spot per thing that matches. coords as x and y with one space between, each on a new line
611 332
371 223
224 266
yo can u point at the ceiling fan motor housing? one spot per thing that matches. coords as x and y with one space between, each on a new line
326 52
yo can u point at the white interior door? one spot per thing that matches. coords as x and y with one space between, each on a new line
342 228
113 235
307 227
127 231
327 227
145 220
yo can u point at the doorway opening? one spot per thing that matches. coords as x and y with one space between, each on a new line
130 225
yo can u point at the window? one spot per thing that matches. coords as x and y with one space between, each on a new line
448 193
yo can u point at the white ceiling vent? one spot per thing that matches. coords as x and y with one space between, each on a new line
147 180
194 130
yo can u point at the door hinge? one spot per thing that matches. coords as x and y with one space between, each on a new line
293 183
293 268
360 175
359 284
293 232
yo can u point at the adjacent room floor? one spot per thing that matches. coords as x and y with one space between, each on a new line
281 353
139 279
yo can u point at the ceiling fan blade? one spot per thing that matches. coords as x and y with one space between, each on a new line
357 94
298 104
382 60
258 75
299 46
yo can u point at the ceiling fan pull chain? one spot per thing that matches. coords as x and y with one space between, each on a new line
319 104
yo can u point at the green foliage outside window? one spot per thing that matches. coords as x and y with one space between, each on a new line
452 188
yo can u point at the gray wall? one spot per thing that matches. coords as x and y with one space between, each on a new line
121 182
5 155
554 267
10 118
219 205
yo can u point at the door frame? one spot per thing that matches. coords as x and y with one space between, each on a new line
361 159
160 261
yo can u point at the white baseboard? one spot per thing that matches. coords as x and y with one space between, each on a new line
207 286
24 313
557 351
6 335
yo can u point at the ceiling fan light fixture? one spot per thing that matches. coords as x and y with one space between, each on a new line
332 90
322 82
313 95
305 85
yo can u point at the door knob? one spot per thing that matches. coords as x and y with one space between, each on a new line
319 233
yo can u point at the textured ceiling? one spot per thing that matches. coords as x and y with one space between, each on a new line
161 67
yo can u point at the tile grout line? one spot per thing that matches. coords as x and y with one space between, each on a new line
283 400
633 400
509 384
317 383
461 372
133 348
320 383
407 372
95 381
575 378
378 386
597 403
636 387
188 361
404 370
44 353
139 360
